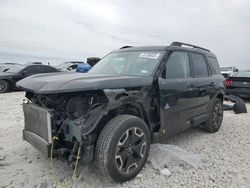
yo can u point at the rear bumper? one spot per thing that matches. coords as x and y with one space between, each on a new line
38 142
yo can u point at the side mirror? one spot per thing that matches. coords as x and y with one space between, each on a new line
236 70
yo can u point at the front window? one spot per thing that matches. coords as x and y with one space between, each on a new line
141 63
178 66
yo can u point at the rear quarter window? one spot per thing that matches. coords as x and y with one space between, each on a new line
213 65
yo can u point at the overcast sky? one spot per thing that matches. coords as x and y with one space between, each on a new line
59 30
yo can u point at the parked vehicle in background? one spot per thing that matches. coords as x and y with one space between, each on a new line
83 67
239 84
68 65
131 98
228 71
9 78
72 65
5 66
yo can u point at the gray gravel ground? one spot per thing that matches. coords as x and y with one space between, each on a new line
225 156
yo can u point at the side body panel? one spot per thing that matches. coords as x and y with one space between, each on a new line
178 94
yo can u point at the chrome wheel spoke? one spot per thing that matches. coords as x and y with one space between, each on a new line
136 136
121 158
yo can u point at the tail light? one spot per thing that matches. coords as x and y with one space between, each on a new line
228 82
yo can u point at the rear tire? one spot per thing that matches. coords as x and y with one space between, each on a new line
214 121
4 86
122 148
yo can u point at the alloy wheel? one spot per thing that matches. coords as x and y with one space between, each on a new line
130 150
217 115
3 86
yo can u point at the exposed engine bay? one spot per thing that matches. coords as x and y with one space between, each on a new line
77 118
69 114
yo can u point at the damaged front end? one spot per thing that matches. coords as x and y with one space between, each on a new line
70 118
74 119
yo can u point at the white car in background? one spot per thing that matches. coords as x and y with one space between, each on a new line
228 71
68 65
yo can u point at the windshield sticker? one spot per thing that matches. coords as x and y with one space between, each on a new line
119 58
144 71
150 55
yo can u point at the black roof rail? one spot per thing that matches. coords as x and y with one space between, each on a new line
125 47
185 44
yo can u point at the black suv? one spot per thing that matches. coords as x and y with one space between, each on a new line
133 97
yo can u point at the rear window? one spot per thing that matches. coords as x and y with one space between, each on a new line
200 66
213 65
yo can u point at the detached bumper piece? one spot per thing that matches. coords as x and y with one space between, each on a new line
37 127
239 105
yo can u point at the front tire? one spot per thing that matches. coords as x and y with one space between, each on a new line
214 121
122 148
4 86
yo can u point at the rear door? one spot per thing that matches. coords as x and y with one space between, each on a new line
177 93
205 83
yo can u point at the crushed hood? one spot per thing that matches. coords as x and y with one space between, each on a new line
73 82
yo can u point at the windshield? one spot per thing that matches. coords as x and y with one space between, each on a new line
15 69
129 63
